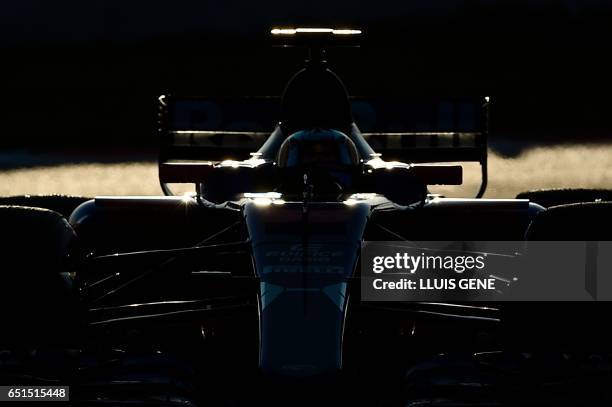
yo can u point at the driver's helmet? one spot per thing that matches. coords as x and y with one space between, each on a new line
319 149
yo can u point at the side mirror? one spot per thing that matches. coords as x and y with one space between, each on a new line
400 185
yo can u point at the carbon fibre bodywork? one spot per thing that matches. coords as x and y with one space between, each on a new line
298 260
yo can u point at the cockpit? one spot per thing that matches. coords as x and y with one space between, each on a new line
327 158
318 148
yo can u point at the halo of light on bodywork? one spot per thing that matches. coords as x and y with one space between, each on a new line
354 199
314 30
230 163
262 201
187 197
265 198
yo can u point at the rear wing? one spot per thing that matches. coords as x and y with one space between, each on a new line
197 131
196 128
443 131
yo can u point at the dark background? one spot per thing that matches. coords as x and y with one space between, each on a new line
81 73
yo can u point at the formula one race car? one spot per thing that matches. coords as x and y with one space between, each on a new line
247 291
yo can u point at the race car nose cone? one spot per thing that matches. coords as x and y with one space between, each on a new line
304 260
301 334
